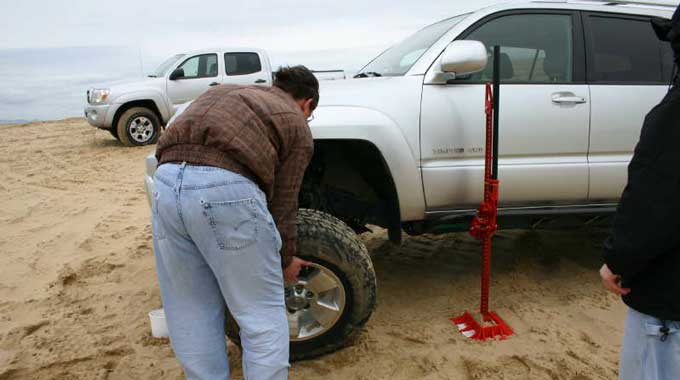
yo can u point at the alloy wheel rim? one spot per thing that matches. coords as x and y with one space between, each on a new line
315 303
141 129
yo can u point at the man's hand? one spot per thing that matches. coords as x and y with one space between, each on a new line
291 272
612 282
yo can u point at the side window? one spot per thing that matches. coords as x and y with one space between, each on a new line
623 50
200 66
242 63
535 48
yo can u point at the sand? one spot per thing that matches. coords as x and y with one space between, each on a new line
77 280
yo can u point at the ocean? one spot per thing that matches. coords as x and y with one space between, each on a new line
45 84
50 83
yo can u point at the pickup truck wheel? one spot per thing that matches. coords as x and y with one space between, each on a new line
138 126
114 133
334 298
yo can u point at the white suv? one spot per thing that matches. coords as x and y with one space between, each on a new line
402 145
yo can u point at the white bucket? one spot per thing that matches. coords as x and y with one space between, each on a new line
159 329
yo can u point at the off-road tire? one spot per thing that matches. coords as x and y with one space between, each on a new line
124 123
114 133
326 240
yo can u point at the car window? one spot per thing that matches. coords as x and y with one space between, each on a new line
200 66
242 63
399 59
535 48
623 50
163 68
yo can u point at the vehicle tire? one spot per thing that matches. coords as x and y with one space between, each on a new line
342 280
138 126
114 133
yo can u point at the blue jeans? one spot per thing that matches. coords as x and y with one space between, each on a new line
215 243
644 355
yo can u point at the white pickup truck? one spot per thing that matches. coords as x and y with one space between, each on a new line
402 145
134 112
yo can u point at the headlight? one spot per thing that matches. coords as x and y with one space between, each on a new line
97 95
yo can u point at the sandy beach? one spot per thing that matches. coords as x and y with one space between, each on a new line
77 280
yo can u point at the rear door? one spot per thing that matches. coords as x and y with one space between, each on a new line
544 116
629 70
246 68
200 72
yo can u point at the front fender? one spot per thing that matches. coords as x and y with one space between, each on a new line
164 107
359 123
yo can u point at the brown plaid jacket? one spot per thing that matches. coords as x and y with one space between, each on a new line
258 132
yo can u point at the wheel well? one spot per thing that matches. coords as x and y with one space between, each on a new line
148 103
350 180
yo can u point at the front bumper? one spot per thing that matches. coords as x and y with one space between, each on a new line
97 115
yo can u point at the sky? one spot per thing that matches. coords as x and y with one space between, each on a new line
164 26
51 52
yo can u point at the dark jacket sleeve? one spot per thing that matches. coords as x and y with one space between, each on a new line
674 35
646 224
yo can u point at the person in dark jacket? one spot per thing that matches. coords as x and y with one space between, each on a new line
223 214
642 255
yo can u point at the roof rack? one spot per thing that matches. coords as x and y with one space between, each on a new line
656 3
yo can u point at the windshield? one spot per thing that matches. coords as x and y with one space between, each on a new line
398 59
162 69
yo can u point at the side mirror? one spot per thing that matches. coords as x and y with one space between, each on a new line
177 74
463 58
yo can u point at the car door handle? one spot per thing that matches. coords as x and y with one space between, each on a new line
260 81
567 98
213 84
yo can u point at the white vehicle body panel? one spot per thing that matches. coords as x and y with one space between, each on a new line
398 98
145 89
543 145
184 90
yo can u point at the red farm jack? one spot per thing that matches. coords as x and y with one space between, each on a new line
483 226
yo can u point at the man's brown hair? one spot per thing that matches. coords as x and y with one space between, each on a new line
299 82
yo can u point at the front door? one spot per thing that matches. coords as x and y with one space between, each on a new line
544 117
200 72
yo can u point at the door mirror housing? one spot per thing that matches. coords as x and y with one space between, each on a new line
177 74
463 57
